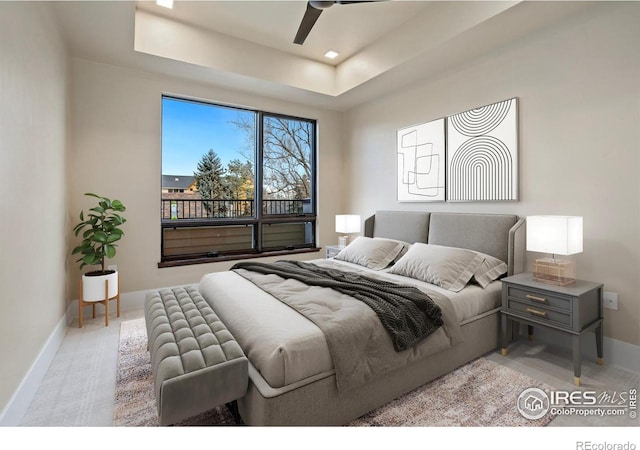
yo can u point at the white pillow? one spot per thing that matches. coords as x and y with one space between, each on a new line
448 267
490 269
372 253
405 247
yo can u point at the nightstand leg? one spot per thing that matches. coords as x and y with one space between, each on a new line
577 359
530 332
599 348
504 334
515 330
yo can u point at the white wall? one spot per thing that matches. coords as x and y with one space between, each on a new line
579 91
33 207
116 123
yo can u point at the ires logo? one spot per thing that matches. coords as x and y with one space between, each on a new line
534 403
589 398
633 403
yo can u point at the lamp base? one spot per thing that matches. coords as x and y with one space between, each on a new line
559 272
343 241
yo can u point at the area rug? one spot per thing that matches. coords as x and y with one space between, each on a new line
479 394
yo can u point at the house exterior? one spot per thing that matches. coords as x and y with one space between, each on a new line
178 184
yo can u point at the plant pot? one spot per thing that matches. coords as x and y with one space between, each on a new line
93 286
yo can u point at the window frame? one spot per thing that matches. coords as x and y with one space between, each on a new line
259 219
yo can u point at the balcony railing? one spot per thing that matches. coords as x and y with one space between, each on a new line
279 207
181 209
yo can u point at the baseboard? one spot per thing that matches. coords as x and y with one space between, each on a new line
15 410
616 353
19 403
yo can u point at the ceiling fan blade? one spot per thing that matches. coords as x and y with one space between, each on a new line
308 21
339 2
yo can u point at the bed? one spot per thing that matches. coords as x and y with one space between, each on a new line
295 375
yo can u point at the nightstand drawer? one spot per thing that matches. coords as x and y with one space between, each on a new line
539 313
540 298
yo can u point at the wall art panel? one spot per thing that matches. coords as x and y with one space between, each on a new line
482 153
421 162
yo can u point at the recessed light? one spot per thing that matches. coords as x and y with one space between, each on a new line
165 3
331 54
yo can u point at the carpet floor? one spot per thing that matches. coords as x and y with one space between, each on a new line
479 394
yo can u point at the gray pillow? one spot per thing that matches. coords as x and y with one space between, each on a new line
490 269
372 253
405 248
448 267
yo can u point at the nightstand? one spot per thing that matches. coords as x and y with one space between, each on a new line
333 250
573 309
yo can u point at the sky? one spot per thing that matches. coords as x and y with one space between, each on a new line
190 129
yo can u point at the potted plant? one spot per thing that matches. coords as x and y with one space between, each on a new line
100 231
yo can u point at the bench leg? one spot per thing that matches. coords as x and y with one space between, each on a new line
233 409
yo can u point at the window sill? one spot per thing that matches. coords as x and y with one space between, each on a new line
212 259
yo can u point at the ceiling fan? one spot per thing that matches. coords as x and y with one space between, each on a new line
313 11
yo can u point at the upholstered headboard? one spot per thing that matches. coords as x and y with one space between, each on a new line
499 235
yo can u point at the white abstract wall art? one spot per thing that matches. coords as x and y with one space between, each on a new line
482 153
421 162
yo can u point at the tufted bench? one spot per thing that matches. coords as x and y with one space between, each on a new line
196 362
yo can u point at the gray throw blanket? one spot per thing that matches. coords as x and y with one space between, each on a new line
407 314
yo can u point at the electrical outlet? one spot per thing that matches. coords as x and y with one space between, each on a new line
113 267
610 300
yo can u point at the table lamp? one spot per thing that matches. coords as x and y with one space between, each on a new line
558 235
347 223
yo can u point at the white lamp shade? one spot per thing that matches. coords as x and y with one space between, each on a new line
560 235
348 223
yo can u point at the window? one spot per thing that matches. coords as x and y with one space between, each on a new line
237 183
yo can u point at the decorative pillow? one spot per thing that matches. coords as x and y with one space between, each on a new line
448 267
375 254
490 269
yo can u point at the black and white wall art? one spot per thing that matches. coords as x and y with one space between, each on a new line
421 162
482 153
